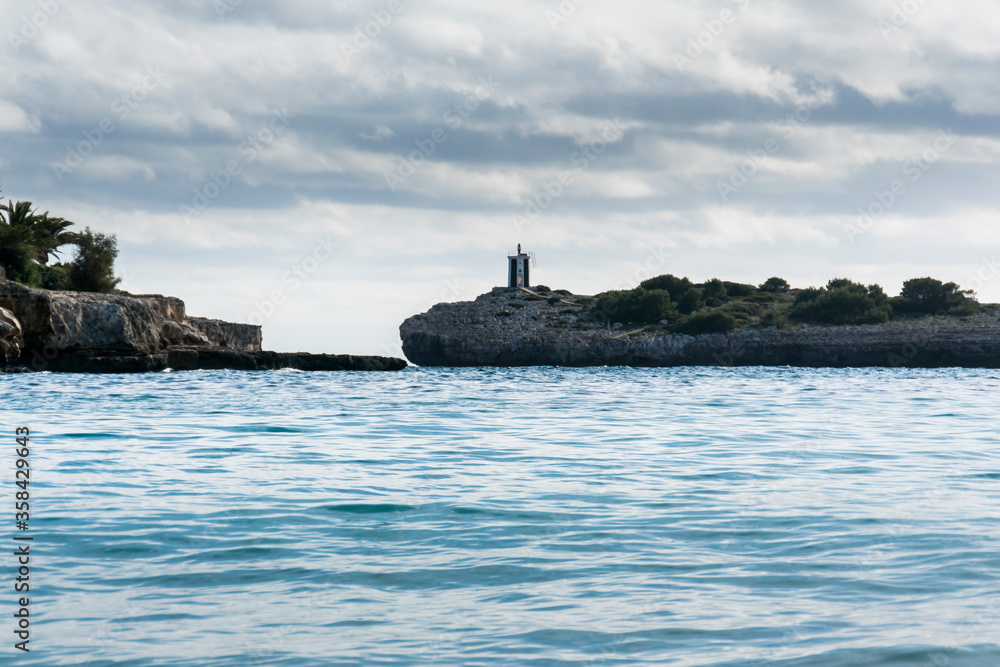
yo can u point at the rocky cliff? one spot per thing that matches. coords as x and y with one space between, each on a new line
82 332
518 327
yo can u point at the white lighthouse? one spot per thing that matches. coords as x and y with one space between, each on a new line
518 266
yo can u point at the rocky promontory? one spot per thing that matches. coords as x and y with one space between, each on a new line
523 327
80 332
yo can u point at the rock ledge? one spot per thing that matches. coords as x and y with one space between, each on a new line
74 332
518 327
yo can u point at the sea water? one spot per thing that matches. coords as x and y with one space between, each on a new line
546 516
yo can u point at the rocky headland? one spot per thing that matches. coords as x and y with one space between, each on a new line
80 332
522 327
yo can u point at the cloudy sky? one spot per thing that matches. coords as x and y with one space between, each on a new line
330 168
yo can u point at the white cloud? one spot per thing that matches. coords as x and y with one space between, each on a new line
874 103
14 119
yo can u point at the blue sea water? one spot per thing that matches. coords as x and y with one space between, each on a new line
562 517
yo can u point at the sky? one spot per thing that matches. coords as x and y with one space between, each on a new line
328 169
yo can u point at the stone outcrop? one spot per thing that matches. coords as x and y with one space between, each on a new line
515 327
10 337
43 330
127 324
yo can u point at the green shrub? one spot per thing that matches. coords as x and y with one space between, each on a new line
93 269
843 302
775 285
737 290
712 321
773 317
690 301
761 297
965 309
714 292
564 292
55 277
927 296
672 284
553 299
542 289
807 295
17 257
742 311
640 306
837 283
517 304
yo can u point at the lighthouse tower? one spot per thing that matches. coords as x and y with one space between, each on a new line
517 273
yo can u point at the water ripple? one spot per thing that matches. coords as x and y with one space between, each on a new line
514 516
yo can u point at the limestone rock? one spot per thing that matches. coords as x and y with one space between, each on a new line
127 324
74 332
10 337
515 327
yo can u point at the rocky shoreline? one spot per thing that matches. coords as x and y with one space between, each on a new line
520 327
79 332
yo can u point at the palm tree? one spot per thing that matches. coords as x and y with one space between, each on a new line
49 234
17 257
42 233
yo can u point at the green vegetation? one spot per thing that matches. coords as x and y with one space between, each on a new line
675 304
715 292
775 285
672 284
843 302
542 289
28 240
738 290
773 317
691 301
93 270
927 296
641 306
712 321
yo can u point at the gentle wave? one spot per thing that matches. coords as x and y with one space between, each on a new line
514 516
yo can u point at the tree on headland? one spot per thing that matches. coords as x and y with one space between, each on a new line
927 296
715 292
775 285
843 302
29 239
93 269
675 304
